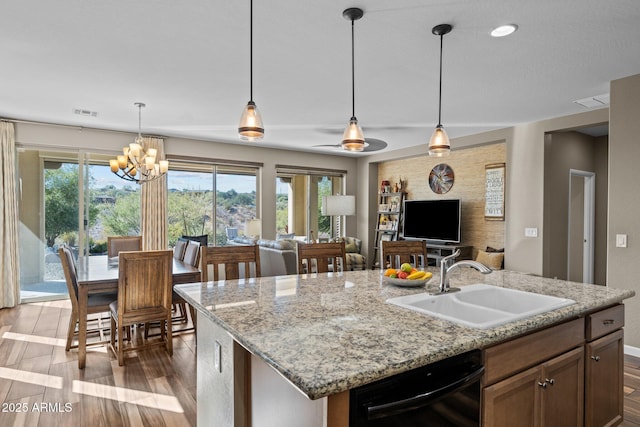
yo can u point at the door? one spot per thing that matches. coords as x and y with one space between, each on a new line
563 393
604 370
514 401
581 244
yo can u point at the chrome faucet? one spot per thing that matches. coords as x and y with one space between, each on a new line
447 265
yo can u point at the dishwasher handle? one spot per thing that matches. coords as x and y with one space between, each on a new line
422 399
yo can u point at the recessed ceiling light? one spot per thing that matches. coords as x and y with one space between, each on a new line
504 30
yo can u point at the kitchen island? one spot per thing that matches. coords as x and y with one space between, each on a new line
326 334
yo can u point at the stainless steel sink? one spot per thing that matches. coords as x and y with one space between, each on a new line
482 306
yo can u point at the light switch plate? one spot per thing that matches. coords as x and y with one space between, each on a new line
217 350
621 240
531 232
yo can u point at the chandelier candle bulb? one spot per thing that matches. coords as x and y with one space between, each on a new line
122 161
113 163
164 166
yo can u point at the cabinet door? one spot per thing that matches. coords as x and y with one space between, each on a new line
604 388
563 390
514 401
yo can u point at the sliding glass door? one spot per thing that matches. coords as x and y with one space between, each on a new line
299 204
70 199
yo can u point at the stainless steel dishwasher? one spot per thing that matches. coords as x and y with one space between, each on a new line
445 393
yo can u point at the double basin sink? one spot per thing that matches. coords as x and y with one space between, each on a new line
482 306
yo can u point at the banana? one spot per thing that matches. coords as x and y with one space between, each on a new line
417 275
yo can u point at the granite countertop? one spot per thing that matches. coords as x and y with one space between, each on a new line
329 333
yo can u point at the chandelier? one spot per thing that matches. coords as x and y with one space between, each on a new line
137 163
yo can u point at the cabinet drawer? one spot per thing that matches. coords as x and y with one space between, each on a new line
603 322
503 360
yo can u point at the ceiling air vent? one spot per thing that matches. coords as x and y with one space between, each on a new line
594 101
86 113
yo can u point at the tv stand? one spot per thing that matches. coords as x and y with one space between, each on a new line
437 251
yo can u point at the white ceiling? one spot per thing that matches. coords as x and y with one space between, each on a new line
189 62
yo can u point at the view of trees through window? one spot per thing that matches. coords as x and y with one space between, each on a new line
114 205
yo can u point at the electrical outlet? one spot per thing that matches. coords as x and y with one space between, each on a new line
531 232
217 355
621 240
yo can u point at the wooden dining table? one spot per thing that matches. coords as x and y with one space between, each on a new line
99 274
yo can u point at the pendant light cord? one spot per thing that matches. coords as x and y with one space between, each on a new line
251 51
353 73
440 86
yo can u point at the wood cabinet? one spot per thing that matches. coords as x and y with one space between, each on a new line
604 368
536 380
389 221
567 375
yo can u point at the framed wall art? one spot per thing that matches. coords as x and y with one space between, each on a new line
494 191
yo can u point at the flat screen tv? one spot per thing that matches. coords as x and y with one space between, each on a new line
434 220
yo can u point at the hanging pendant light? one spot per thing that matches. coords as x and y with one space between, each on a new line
250 128
353 138
439 144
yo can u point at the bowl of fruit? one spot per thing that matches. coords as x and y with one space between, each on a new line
406 275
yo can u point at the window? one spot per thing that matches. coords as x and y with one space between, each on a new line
213 200
299 202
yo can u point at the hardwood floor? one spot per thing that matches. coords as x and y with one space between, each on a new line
41 385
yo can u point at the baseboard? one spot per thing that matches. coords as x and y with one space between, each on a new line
632 351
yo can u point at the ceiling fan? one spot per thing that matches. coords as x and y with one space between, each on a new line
371 144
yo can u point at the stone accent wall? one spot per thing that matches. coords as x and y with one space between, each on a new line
469 186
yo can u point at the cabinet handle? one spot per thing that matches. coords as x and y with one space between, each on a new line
549 381
608 322
596 358
543 385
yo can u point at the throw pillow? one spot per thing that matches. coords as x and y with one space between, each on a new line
351 248
492 260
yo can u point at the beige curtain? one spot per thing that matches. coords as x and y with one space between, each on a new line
9 266
153 206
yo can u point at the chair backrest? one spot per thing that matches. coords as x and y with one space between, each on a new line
191 253
179 248
145 284
203 239
397 252
70 274
229 259
322 255
116 244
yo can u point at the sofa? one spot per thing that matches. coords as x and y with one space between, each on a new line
277 257
280 257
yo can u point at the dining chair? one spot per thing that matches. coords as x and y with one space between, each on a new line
144 295
179 248
229 259
397 252
324 256
191 253
191 257
116 244
96 303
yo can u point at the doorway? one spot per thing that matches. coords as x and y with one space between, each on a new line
581 239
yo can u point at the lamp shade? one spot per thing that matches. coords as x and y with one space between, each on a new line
251 128
338 205
253 228
439 144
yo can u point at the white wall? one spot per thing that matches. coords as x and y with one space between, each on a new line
623 264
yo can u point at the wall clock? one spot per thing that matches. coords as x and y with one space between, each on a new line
441 178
